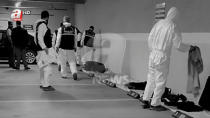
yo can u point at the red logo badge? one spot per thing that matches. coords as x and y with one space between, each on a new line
17 15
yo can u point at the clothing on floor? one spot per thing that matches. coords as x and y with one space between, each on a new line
120 79
195 67
180 101
136 85
94 66
189 106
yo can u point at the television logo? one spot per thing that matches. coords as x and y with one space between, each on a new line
17 15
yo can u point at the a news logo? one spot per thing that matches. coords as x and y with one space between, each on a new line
17 15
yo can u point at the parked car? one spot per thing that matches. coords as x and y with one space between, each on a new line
30 52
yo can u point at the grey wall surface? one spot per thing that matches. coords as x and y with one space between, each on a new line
137 16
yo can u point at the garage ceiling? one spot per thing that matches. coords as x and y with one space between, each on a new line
51 4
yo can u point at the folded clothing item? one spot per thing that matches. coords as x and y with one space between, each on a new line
136 85
173 99
94 66
189 106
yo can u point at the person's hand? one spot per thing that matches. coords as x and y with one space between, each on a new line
46 50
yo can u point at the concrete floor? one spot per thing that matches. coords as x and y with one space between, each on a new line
21 97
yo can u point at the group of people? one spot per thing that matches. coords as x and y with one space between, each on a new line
17 43
66 42
63 48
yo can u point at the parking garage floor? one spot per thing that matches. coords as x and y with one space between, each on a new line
21 97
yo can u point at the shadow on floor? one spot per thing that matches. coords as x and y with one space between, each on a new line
56 95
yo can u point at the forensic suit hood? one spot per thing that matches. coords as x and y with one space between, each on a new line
172 14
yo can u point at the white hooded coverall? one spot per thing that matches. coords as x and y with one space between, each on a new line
162 37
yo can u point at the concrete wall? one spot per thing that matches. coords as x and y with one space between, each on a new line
136 60
132 20
137 16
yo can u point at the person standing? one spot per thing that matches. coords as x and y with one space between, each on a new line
20 41
66 45
162 37
88 37
11 58
44 57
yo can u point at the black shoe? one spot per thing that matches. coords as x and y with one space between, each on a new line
146 104
49 88
75 76
27 68
158 108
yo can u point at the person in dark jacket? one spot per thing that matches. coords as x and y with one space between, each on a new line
20 40
11 59
88 38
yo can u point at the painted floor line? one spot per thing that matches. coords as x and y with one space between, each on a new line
43 101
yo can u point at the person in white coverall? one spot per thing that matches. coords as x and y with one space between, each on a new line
66 45
162 37
45 56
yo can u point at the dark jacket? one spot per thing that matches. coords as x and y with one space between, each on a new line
68 37
20 37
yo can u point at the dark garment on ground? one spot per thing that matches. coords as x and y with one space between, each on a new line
189 106
137 85
19 37
94 66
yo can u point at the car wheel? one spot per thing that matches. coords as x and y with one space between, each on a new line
30 57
